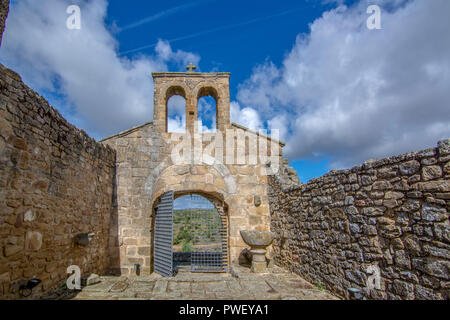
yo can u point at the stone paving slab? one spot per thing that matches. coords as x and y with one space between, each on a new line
241 284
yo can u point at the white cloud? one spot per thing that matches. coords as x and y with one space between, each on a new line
176 124
247 116
176 114
183 58
278 123
353 94
176 106
107 92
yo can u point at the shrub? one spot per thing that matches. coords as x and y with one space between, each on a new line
187 246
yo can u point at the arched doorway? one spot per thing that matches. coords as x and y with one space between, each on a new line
191 233
197 234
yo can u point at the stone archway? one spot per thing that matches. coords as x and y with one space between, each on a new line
217 260
215 183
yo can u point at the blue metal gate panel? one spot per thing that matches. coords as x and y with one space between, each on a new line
163 251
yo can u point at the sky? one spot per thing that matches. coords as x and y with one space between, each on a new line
339 92
192 201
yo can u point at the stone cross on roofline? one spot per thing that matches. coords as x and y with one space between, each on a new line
191 67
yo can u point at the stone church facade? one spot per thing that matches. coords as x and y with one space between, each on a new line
380 230
145 169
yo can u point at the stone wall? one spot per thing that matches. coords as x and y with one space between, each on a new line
55 182
4 8
390 214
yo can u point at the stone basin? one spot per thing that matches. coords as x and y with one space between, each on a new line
256 238
258 241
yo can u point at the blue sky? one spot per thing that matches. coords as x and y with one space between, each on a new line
193 202
338 92
229 35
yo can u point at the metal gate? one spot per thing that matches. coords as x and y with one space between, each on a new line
163 256
209 242
203 232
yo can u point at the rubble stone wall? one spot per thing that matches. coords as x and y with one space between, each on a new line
388 215
55 182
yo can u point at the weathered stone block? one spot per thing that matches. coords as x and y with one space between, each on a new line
404 289
412 243
437 249
144 251
433 213
356 276
447 168
437 268
402 260
434 186
29 215
411 205
11 250
18 143
381 185
90 279
444 147
40 185
422 293
431 173
391 203
409 168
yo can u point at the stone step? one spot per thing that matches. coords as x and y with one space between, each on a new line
183 269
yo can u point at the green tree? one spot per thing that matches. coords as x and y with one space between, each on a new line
187 246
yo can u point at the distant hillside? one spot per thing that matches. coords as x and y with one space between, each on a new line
192 227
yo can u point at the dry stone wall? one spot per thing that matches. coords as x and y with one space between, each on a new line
387 215
55 182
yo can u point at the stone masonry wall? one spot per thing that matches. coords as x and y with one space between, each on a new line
4 8
55 182
391 213
145 171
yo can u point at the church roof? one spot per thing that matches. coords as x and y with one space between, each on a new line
127 132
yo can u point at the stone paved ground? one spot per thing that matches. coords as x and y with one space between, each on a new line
239 285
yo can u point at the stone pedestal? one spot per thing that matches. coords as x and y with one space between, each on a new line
259 263
258 241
